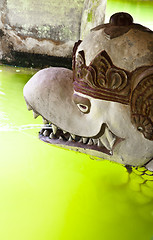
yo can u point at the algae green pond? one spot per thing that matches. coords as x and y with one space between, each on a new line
48 193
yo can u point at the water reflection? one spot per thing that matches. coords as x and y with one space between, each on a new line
141 182
2 93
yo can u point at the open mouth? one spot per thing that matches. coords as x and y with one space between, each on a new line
105 141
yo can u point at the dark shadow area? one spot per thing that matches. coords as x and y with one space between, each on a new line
29 60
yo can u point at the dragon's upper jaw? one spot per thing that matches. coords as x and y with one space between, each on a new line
59 136
50 94
104 141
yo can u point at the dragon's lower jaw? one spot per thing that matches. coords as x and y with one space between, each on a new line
65 138
104 142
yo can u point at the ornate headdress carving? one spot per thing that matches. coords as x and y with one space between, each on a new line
141 101
103 80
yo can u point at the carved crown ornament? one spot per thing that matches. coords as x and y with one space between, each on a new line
103 80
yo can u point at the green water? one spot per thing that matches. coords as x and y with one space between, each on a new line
48 193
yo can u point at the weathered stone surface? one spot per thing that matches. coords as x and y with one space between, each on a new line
105 105
35 28
48 19
47 28
93 15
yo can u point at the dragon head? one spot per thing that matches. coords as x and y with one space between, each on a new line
104 105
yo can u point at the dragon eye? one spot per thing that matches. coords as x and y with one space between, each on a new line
140 129
83 108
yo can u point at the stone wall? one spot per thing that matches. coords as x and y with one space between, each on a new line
93 15
45 28
55 19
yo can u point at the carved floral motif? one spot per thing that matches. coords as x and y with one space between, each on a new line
101 79
142 106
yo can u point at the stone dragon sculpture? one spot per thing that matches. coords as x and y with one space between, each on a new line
104 105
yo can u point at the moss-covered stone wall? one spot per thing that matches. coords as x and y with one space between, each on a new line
48 27
56 19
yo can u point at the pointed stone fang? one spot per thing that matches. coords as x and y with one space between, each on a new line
70 139
85 140
35 115
51 136
46 133
54 128
95 140
73 136
110 137
90 142
99 143
105 142
45 121
28 106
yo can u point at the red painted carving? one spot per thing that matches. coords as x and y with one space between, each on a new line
101 79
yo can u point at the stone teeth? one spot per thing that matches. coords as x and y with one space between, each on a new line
51 136
112 143
73 136
105 142
28 106
54 128
90 142
110 137
60 138
70 139
46 133
95 140
45 121
35 115
99 144
85 140
64 132
81 140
